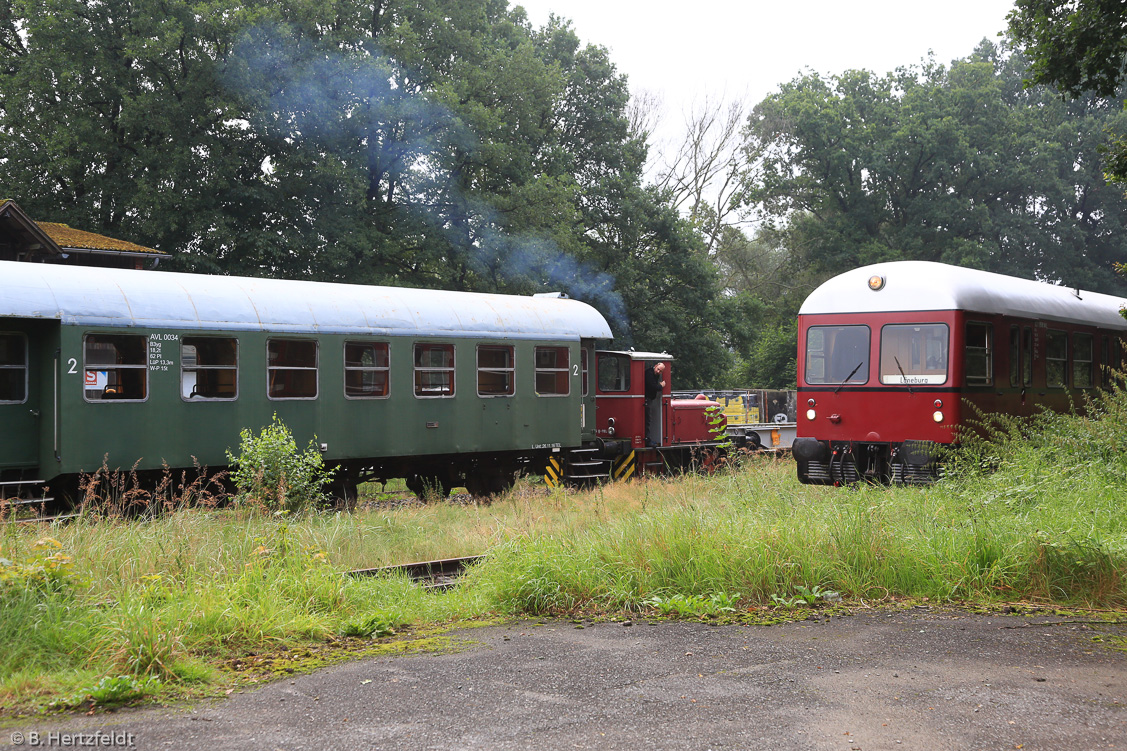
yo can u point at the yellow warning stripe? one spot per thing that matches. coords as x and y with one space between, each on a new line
552 473
624 467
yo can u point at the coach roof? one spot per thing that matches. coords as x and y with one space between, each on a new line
89 296
923 285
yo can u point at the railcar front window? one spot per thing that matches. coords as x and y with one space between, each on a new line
115 368
1082 361
1056 358
209 368
292 368
913 354
366 370
495 371
434 370
552 366
13 368
613 372
837 354
979 358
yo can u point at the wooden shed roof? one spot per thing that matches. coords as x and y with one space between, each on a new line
25 236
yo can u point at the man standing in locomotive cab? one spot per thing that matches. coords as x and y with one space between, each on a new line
654 386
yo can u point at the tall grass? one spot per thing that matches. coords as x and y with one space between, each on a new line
1031 512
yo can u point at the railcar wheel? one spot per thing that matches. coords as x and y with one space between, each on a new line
485 485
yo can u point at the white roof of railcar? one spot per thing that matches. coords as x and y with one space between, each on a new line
88 296
923 285
638 355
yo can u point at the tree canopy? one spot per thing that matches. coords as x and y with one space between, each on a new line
441 143
958 164
1079 47
448 143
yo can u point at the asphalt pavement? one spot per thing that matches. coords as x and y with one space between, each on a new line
921 679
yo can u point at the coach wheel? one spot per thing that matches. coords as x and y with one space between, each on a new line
344 490
484 485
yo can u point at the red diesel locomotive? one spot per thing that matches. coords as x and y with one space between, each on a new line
891 356
634 434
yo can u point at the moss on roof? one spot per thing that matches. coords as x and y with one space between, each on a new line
66 236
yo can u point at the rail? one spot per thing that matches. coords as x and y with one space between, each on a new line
440 574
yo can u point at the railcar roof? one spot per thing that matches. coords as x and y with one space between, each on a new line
639 355
158 299
923 285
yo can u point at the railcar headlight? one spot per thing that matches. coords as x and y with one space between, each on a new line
811 414
876 282
937 416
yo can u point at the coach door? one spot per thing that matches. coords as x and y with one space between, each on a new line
19 397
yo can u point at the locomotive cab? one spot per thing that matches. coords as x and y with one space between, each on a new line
624 416
630 420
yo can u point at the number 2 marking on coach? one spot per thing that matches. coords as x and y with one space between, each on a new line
73 365
576 370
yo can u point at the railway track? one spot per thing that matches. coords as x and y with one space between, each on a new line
440 574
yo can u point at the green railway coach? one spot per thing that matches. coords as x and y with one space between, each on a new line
164 369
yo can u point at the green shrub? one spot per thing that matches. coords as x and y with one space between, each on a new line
46 569
271 473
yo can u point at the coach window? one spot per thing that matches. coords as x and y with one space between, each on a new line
115 367
1056 358
913 354
495 370
1082 361
1015 356
434 370
613 372
979 354
552 366
209 368
583 367
291 366
837 354
366 370
1110 353
13 368
1027 356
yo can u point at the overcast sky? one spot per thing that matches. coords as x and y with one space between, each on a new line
683 50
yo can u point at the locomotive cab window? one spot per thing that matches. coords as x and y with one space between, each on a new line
13 368
495 370
979 357
434 370
552 366
366 369
209 368
1056 358
115 367
1082 361
913 354
837 354
291 366
613 372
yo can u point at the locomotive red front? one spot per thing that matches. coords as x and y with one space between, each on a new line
891 356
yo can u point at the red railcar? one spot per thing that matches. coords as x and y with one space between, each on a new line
890 357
